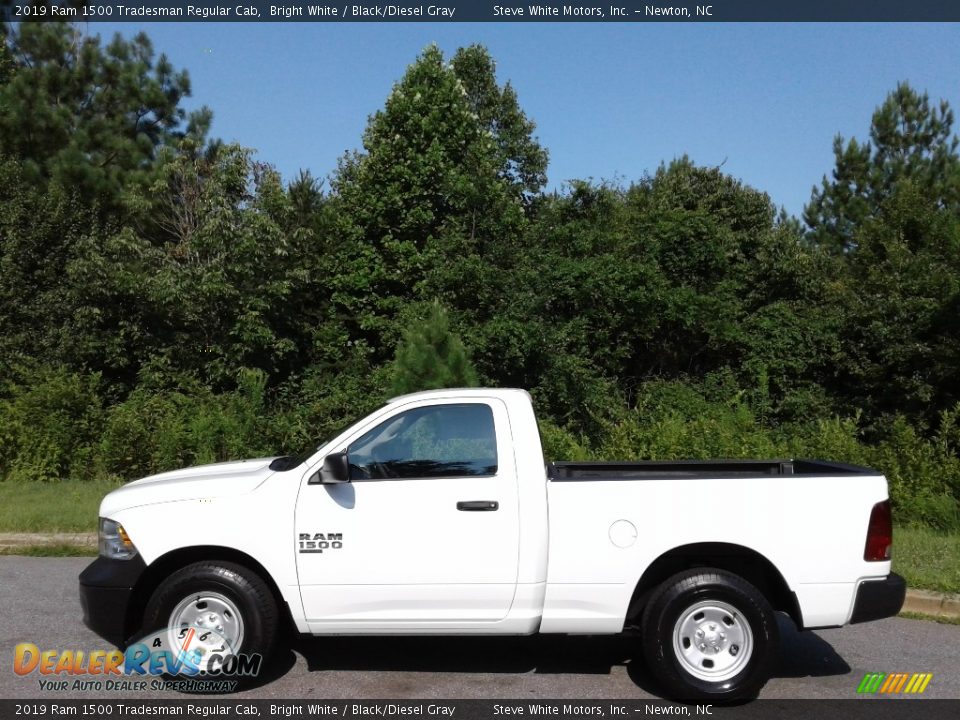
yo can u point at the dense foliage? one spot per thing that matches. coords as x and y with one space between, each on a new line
166 300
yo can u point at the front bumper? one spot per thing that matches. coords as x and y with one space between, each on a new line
879 598
106 590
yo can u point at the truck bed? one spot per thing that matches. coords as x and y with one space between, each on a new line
698 469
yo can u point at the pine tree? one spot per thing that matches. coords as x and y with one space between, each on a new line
90 118
910 142
431 356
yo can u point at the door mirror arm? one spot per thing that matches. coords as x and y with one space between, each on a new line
335 470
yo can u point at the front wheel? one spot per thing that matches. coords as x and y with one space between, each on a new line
213 609
709 635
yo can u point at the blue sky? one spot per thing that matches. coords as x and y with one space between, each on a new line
610 101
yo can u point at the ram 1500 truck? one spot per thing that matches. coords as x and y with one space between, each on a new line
437 515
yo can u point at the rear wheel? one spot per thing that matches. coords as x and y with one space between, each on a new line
709 635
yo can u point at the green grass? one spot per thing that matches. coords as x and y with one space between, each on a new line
58 550
51 507
928 560
943 620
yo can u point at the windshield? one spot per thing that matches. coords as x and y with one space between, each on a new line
288 462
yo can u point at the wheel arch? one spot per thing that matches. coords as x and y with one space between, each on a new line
167 564
749 564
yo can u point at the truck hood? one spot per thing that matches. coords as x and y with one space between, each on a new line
200 481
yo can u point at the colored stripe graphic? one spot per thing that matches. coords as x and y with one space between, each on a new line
871 682
890 682
894 683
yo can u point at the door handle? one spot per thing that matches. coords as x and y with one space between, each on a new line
477 505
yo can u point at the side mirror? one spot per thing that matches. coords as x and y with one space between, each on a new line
336 469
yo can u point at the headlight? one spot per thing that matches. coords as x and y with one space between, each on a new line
114 541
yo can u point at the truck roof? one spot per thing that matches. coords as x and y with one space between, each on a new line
459 392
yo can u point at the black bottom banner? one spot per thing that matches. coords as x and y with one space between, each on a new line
855 709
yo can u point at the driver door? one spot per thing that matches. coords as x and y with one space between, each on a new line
425 533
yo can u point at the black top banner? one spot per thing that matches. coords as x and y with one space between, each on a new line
615 11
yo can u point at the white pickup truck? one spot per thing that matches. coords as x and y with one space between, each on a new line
436 515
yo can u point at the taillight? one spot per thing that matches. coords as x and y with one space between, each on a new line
879 533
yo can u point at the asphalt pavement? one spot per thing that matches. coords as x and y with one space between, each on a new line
39 604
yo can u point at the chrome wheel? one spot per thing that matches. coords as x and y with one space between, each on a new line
206 623
712 640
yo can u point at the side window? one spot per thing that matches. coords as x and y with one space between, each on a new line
428 442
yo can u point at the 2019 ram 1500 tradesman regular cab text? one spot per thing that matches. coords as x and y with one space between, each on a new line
435 515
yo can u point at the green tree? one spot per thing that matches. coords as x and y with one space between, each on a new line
910 141
89 117
41 234
307 199
431 356
521 159
901 311
208 284
746 292
7 65
425 160
424 208
684 274
891 213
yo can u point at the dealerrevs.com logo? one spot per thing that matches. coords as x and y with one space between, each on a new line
183 659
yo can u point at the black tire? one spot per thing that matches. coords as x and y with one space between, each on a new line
723 670
246 592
